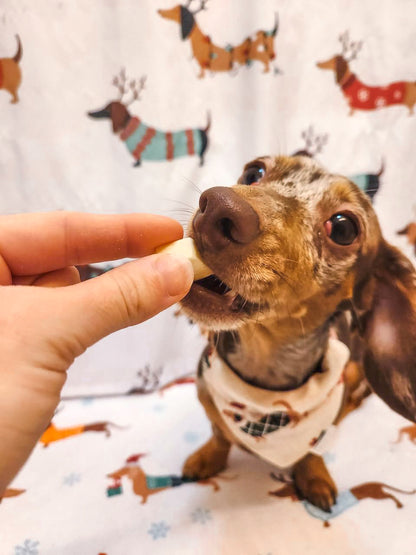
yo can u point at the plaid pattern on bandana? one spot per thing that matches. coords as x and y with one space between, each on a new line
267 424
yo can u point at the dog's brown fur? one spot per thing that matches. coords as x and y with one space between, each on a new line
10 74
297 284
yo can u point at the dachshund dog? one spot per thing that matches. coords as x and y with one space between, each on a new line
366 97
215 58
143 141
10 74
301 272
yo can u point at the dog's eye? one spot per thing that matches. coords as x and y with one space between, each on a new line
341 229
252 175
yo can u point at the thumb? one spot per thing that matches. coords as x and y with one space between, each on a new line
124 296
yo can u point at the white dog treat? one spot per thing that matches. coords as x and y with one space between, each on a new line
186 247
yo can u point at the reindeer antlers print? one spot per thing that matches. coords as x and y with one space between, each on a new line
314 143
136 87
202 6
348 46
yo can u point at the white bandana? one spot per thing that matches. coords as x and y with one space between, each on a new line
279 426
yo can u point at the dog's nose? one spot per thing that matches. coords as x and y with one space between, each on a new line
224 217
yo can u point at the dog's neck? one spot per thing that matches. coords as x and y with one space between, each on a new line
259 356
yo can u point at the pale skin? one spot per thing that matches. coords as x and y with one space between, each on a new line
48 318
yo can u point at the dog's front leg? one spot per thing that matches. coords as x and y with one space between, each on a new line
210 459
314 483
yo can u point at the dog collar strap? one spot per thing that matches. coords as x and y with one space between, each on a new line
130 128
352 78
279 426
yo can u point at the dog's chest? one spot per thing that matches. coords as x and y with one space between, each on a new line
279 426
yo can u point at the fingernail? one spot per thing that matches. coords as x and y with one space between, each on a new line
176 273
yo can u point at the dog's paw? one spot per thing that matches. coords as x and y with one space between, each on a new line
204 463
321 493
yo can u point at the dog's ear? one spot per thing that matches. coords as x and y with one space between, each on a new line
341 67
119 116
187 22
387 302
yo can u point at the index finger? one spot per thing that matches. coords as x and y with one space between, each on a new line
37 243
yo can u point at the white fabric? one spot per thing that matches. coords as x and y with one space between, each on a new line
53 156
312 408
65 509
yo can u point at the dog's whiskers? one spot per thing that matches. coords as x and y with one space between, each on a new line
193 185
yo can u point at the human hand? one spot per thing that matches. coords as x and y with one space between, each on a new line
44 328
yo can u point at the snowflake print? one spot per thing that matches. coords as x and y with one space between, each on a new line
86 401
71 479
397 95
158 530
363 95
201 515
29 547
191 436
380 102
329 457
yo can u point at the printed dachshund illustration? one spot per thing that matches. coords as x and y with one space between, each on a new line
410 232
145 485
12 492
10 73
409 431
52 433
215 58
143 141
346 499
303 284
359 95
367 182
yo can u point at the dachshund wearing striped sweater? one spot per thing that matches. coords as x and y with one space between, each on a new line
305 295
143 141
366 97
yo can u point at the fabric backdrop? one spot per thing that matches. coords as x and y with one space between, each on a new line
54 156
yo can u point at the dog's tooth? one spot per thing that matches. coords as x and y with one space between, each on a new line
186 247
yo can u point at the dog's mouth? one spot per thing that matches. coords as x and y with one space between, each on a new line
211 296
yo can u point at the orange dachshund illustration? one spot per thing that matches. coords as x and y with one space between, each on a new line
345 499
410 232
145 485
359 95
215 58
10 74
12 492
52 433
409 431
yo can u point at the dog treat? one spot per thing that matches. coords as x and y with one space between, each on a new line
186 247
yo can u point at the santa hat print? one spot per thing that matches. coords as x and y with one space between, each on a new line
134 458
